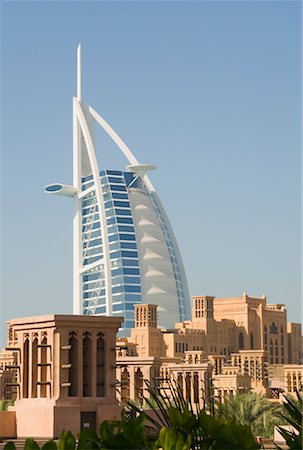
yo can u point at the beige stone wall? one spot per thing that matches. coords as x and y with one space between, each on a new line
294 339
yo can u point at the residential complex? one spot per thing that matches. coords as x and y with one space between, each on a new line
125 251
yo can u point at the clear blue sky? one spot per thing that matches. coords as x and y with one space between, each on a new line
207 91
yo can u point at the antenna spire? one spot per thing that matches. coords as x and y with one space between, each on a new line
79 97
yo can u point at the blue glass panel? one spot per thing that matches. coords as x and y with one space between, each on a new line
117 272
95 242
130 288
132 280
131 245
121 204
114 172
109 212
89 210
115 180
124 220
127 237
130 271
91 277
113 237
114 246
102 172
135 298
108 204
117 187
126 228
129 306
100 310
116 289
118 307
111 221
130 324
130 262
123 212
89 177
114 255
113 229
129 176
118 280
106 196
129 254
91 260
120 196
94 251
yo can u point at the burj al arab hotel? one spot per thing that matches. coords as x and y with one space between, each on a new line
124 249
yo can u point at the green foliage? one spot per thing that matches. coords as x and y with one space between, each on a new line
9 446
126 434
4 404
292 414
30 444
49 445
252 410
218 433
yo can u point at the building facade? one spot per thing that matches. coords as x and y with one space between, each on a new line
65 373
125 251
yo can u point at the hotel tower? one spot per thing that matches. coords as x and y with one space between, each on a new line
124 249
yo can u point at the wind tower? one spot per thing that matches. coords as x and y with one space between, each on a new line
124 249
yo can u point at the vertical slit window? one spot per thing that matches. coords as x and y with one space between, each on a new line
34 367
43 367
100 365
87 365
73 358
25 367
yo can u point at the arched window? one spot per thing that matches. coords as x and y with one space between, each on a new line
25 367
34 366
73 359
138 384
43 377
87 365
188 386
100 365
241 341
251 341
196 387
125 385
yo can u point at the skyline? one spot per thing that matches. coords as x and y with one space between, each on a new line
236 167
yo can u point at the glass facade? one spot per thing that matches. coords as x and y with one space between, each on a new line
123 251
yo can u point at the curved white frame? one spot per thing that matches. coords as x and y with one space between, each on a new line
83 143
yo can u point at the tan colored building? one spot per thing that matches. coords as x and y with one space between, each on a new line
66 373
240 338
8 375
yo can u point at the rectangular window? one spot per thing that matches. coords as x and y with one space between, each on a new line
127 237
131 245
108 204
118 307
122 212
111 221
113 172
127 228
130 271
130 262
121 204
124 220
113 237
115 180
117 187
116 272
91 277
132 280
120 196
129 254
132 288
134 298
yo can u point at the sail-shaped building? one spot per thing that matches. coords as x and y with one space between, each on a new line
124 249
